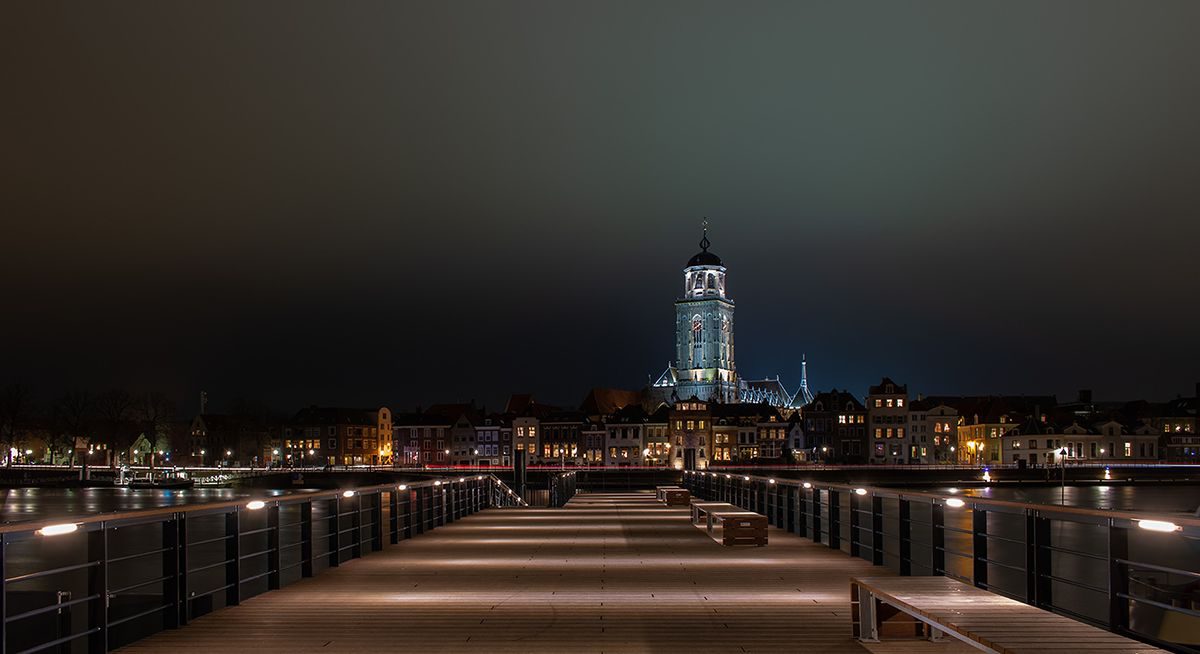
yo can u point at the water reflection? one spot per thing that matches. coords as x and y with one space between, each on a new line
32 504
1164 498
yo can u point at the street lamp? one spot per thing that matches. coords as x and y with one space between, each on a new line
1062 463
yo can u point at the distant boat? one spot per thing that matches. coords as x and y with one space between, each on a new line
167 482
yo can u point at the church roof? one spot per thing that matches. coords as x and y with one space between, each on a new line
603 401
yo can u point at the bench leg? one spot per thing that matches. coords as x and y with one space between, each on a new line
868 627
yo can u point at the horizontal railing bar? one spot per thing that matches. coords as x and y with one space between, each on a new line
209 566
117 591
1160 568
209 592
1007 566
50 607
252 532
1078 616
243 557
59 641
256 577
1168 607
47 573
1086 555
129 557
1076 584
208 541
1000 591
135 616
1005 539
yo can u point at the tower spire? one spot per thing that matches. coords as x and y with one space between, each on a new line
704 238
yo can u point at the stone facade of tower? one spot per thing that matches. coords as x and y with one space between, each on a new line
704 354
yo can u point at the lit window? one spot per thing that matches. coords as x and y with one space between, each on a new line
1128 449
878 403
900 402
889 402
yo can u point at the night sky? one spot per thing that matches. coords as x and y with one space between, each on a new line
401 203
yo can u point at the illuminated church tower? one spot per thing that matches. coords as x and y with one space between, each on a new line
704 331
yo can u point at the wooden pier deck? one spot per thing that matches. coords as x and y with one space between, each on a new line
615 572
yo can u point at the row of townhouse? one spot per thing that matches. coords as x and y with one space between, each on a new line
615 428
888 427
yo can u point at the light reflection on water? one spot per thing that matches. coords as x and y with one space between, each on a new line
29 504
1159 498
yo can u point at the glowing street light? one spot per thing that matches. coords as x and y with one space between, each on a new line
1158 525
954 502
255 505
57 530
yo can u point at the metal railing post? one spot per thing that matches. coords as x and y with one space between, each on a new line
170 570
306 540
937 539
877 529
182 567
3 593
233 557
855 525
979 547
356 527
98 608
273 555
835 519
394 516
905 536
1118 578
814 501
334 536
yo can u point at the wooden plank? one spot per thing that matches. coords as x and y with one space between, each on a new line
610 572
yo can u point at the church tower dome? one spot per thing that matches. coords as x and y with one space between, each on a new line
704 275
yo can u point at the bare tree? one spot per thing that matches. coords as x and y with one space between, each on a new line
73 416
154 413
115 421
16 409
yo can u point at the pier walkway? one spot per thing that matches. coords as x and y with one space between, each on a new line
609 573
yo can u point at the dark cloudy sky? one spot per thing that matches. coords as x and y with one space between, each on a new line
403 202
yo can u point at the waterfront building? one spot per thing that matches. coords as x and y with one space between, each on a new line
491 448
835 428
1067 438
887 424
559 438
934 425
593 435
1180 441
422 439
657 451
691 434
339 436
626 436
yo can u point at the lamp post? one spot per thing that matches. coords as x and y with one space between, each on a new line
1062 463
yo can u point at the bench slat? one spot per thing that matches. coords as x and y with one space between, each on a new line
986 619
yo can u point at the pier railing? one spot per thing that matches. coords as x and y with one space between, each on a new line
1135 574
562 487
95 583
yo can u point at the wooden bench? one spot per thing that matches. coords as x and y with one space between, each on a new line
737 527
931 607
701 508
677 497
658 491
